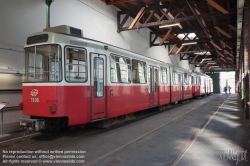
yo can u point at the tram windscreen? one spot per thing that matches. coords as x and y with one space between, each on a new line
43 63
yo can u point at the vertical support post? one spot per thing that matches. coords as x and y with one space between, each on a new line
118 21
150 39
2 124
236 80
2 105
48 3
240 69
246 58
242 79
242 72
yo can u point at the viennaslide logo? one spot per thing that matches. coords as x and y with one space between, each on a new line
233 155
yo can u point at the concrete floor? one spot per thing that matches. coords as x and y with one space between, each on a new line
228 133
11 120
190 134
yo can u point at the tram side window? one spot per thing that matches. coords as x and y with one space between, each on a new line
164 76
30 58
150 71
190 79
156 79
113 70
43 63
139 71
120 69
98 77
75 65
199 80
40 70
186 79
175 78
194 80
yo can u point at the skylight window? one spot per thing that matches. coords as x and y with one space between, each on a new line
190 36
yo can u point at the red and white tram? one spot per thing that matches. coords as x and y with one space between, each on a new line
71 80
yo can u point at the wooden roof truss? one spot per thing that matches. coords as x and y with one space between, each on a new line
212 21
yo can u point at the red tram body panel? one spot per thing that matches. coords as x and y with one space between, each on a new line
196 90
61 98
164 94
187 92
176 93
126 100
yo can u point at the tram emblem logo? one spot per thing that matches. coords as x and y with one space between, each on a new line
34 92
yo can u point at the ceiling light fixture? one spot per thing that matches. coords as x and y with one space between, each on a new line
169 25
207 59
189 43
214 67
203 53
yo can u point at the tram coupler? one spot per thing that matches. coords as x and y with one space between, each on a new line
32 124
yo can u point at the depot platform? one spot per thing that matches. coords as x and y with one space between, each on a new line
206 131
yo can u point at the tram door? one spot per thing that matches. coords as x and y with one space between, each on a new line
156 87
153 83
180 85
98 82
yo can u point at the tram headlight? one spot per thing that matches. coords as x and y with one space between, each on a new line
53 108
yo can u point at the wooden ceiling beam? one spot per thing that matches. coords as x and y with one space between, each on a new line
114 2
220 54
211 9
167 14
189 52
155 14
200 40
158 23
217 6
228 53
152 38
196 51
230 59
165 37
137 18
177 52
172 49
180 12
223 59
163 22
140 2
202 21
195 57
222 32
156 2
215 45
225 44
125 6
206 66
233 28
